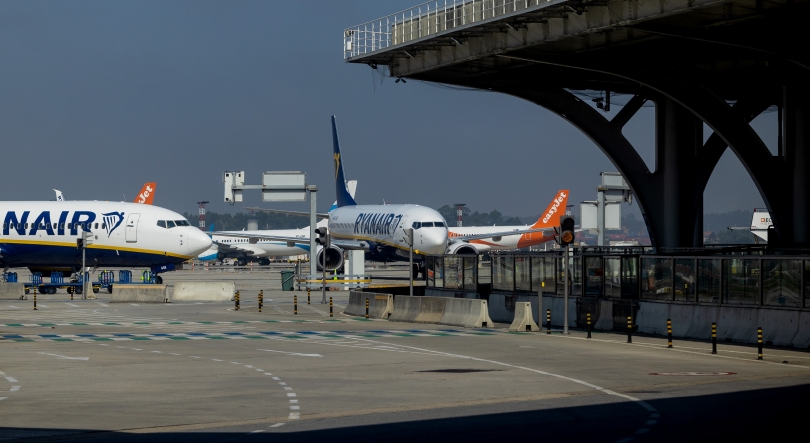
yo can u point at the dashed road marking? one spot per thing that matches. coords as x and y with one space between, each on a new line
11 379
14 389
271 426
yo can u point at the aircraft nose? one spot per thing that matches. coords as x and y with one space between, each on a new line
198 242
435 241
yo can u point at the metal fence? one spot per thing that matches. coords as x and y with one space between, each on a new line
426 19
742 280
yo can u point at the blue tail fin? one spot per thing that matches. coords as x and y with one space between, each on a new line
211 228
343 196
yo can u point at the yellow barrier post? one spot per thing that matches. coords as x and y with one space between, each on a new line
35 298
261 299
589 325
548 321
308 296
669 333
759 340
366 309
629 329
330 307
714 338
295 304
236 301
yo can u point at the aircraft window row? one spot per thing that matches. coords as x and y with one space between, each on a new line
417 225
168 224
55 225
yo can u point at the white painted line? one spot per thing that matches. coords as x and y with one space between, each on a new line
294 416
291 394
42 306
14 389
73 305
172 353
134 304
11 379
13 307
249 366
158 352
282 383
235 363
124 347
215 359
295 408
271 426
102 304
3 398
293 401
192 356
2 374
101 344
291 353
276 378
260 370
267 373
287 388
257 431
136 349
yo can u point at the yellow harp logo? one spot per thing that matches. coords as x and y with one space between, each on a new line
337 164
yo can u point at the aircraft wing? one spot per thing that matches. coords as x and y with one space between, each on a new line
249 249
339 242
493 235
281 211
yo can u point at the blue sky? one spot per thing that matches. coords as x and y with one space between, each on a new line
97 97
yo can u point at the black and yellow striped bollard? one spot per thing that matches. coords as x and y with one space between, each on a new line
548 321
629 329
366 309
759 343
714 338
307 295
35 299
330 307
236 301
669 333
589 325
295 304
261 299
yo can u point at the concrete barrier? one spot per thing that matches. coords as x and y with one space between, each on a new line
465 312
649 318
778 326
524 320
202 291
802 338
737 323
12 291
379 305
140 294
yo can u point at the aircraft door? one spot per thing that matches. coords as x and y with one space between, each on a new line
132 228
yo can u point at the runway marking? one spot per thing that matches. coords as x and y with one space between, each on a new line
295 415
291 394
3 398
282 383
11 379
14 389
291 353
72 305
65 357
260 430
271 426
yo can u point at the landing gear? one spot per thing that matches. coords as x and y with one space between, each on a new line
158 280
52 290
264 262
241 261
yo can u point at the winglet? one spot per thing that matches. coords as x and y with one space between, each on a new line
59 197
147 193
551 216
343 196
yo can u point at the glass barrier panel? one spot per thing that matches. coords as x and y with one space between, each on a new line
470 273
560 276
656 278
613 282
430 268
537 273
438 272
548 282
576 275
741 281
684 279
452 272
781 282
708 280
594 273
522 274
503 276
630 277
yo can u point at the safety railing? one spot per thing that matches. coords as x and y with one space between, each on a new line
341 280
426 19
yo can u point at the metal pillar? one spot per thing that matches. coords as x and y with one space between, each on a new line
600 216
796 140
313 223
567 288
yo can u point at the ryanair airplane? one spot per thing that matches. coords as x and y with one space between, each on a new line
42 235
380 229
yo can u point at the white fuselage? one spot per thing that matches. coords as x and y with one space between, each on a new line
242 246
123 234
505 242
383 226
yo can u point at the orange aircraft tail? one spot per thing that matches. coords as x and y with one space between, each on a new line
551 216
147 193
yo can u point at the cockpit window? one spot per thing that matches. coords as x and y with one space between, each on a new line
438 224
169 224
181 223
162 223
416 225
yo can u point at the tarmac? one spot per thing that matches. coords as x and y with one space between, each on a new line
193 371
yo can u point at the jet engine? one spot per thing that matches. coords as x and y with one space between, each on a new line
334 258
462 248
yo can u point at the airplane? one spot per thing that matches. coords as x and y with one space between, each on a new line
379 230
546 224
761 221
242 249
42 236
146 196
